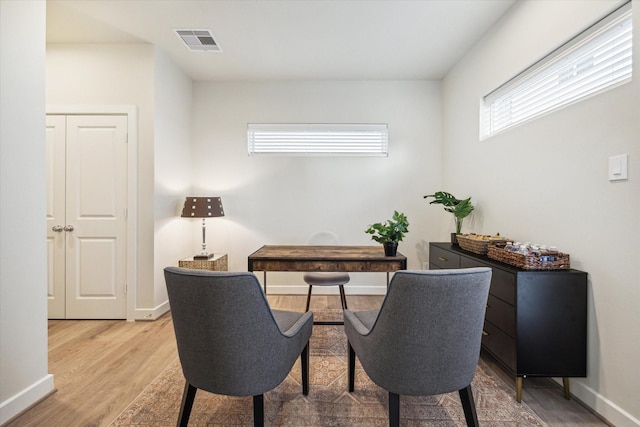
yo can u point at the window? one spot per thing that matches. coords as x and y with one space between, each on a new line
318 139
595 60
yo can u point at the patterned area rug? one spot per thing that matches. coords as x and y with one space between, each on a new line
328 403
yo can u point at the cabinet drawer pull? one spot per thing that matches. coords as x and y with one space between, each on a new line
485 333
442 259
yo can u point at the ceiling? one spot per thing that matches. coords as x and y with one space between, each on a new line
289 39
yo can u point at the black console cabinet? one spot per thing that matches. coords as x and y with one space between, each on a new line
536 321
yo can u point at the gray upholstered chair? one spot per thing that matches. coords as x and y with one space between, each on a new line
425 339
229 341
325 238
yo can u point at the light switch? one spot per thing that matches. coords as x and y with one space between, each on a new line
618 167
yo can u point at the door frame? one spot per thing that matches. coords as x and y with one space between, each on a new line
131 111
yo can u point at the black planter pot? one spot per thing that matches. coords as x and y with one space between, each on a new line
390 248
454 239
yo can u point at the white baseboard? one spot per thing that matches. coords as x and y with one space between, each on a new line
151 313
605 408
325 290
28 397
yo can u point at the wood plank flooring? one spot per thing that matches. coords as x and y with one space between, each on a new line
100 367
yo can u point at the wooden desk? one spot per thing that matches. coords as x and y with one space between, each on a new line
324 258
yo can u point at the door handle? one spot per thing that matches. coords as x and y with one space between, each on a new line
57 228
68 228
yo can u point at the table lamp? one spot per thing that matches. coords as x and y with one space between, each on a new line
202 207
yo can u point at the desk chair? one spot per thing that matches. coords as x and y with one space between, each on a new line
425 339
339 279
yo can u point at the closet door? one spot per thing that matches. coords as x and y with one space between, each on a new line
95 219
56 241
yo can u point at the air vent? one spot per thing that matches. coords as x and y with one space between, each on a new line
198 40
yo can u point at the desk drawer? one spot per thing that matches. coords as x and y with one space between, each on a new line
502 315
440 258
500 345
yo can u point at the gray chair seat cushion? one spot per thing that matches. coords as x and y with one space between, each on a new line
368 318
289 321
361 321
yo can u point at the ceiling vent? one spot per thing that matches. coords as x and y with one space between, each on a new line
198 40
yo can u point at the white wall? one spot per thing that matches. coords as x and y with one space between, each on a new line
284 200
23 273
546 181
172 165
104 74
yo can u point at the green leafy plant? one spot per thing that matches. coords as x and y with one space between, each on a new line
460 208
391 231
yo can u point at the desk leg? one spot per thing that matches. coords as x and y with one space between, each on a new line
387 279
264 281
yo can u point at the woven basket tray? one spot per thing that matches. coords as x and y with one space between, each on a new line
475 245
528 262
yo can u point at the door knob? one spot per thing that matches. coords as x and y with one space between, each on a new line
68 228
57 228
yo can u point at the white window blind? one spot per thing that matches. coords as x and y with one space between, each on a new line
595 60
318 139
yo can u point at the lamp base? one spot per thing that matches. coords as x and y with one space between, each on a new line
207 257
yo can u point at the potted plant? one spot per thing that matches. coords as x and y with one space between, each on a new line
390 233
460 208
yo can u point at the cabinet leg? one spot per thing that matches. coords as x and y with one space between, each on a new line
567 389
518 389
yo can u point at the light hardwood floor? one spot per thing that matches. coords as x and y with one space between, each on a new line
100 366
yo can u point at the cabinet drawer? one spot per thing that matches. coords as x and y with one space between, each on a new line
503 285
466 262
501 315
443 259
500 345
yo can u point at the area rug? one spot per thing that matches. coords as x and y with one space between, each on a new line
328 403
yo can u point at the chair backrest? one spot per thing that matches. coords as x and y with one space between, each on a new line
429 330
224 329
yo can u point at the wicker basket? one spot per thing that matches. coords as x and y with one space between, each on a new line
528 262
476 246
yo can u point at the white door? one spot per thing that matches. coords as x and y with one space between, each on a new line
56 242
94 222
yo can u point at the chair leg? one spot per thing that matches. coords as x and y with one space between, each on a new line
352 368
394 409
188 397
343 297
304 361
469 406
308 298
258 411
